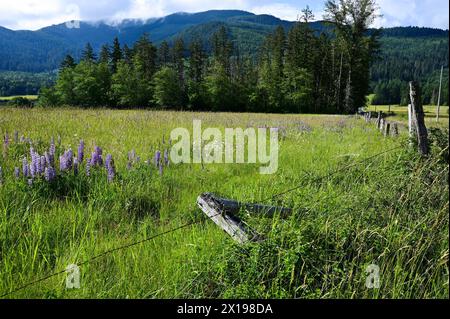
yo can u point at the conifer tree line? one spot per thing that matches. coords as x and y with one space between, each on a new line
295 71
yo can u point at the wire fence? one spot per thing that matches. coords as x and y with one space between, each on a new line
201 219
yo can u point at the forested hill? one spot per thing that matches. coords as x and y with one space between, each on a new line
406 52
43 50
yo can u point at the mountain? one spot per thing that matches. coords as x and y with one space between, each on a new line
406 52
43 50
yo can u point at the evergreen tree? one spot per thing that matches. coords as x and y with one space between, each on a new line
163 54
88 54
68 62
116 54
105 54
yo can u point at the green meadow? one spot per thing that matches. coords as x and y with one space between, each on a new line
351 209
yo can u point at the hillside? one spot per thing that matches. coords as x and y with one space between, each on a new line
406 52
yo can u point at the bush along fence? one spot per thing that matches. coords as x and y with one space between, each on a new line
416 121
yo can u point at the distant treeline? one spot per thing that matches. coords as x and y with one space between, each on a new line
295 72
405 59
23 83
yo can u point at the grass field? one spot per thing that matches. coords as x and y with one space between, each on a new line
400 114
391 211
9 98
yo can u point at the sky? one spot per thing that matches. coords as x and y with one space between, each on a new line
35 14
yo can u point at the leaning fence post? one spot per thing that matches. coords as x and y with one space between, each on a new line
419 117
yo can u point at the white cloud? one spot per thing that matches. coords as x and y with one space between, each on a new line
281 10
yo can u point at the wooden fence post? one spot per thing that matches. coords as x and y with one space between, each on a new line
380 116
395 129
387 129
418 117
222 211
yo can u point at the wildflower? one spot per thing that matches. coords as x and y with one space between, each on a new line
157 158
80 155
52 149
160 169
25 167
166 157
6 140
43 164
128 165
109 163
66 161
49 173
16 172
49 159
97 156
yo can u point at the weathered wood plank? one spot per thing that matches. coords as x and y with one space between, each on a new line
225 220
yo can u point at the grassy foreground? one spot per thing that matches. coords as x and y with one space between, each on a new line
391 211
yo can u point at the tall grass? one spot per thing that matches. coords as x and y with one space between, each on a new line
391 211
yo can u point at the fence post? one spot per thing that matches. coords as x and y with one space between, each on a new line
387 129
380 115
411 125
418 117
395 129
382 123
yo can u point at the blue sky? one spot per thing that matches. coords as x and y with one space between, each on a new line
35 14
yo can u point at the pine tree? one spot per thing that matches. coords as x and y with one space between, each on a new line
116 54
163 54
88 54
104 54
68 62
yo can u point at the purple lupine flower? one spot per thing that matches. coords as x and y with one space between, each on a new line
52 149
17 172
6 140
49 159
69 156
157 158
109 163
88 167
25 167
62 163
166 157
75 165
66 161
97 156
43 164
49 173
22 139
80 155
129 165
32 170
